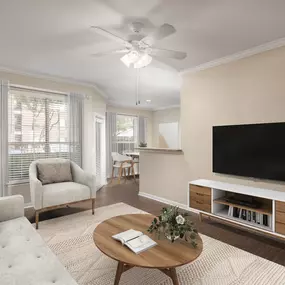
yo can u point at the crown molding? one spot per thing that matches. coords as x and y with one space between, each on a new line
234 57
54 78
166 108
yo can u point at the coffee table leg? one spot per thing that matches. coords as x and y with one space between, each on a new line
120 270
173 276
171 272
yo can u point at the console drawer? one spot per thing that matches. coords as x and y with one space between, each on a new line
280 228
205 199
280 217
200 206
280 206
200 189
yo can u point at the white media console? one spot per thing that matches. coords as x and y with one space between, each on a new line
211 198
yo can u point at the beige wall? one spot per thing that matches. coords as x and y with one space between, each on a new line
251 90
94 103
163 175
163 116
136 112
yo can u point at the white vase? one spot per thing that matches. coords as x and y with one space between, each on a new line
169 237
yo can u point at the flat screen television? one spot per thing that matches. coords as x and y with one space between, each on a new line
256 150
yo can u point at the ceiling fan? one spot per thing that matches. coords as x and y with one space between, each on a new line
140 50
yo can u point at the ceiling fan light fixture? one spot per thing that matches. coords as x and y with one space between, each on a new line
125 60
143 61
130 58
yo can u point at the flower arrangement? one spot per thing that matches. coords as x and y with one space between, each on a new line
174 224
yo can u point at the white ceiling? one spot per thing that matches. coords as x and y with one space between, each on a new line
53 37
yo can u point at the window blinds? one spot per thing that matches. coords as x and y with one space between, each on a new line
38 128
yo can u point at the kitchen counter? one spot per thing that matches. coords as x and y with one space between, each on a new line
160 150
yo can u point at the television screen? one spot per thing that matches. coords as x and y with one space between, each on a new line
256 150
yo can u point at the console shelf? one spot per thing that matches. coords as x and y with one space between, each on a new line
220 200
262 210
224 214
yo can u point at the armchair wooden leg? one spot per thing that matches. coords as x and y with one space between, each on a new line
93 206
37 219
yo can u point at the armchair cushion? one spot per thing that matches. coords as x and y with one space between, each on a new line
54 172
64 193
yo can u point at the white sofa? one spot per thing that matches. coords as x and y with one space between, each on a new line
25 259
80 187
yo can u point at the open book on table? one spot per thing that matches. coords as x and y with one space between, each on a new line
136 241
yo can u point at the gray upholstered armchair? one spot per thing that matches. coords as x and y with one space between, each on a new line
56 182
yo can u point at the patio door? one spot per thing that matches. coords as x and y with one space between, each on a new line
100 151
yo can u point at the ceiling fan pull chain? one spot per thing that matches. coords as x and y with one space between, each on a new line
137 87
139 102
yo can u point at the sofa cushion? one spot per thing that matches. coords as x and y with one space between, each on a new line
54 172
25 259
63 193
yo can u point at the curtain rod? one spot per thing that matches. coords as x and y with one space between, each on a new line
25 88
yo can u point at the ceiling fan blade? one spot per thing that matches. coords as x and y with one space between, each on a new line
162 32
109 52
168 53
111 36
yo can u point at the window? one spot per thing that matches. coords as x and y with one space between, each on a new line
38 128
126 134
123 134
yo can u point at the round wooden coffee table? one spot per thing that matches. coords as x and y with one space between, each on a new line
165 256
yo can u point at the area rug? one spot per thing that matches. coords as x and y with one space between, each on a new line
70 238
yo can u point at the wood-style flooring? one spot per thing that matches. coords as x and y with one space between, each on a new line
264 246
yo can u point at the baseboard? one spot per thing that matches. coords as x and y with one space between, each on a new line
166 201
28 205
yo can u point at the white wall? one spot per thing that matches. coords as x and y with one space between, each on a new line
94 103
136 112
163 116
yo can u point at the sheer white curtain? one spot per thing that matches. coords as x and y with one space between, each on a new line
75 127
111 145
4 89
142 130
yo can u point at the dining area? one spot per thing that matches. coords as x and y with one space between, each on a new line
125 166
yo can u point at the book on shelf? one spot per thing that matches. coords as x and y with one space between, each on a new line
243 214
235 212
249 216
254 217
258 218
240 213
264 222
136 241
230 211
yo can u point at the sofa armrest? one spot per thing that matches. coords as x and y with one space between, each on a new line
36 187
82 177
11 207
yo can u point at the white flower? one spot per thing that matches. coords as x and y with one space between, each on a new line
180 220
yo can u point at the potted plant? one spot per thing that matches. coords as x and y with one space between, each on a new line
174 224
143 144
